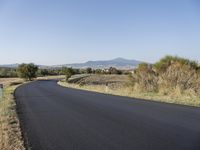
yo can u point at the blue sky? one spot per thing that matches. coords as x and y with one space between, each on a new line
57 32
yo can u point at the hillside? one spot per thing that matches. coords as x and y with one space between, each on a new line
119 63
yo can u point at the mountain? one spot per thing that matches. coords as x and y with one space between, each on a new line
119 63
16 65
10 65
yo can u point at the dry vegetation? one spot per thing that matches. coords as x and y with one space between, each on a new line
171 80
10 133
51 77
102 80
7 81
170 76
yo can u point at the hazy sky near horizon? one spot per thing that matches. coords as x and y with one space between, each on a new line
65 31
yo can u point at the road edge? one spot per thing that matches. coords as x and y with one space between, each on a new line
67 85
11 126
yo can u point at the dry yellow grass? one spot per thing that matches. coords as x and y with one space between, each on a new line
123 89
8 81
50 77
10 132
104 79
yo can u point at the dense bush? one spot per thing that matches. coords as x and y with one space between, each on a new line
167 61
27 71
171 75
89 70
8 72
50 72
145 78
68 72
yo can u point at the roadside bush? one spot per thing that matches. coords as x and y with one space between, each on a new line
178 76
27 71
167 61
170 76
145 78
88 70
68 73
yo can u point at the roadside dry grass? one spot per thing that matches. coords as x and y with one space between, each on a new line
50 77
118 85
103 80
7 81
10 132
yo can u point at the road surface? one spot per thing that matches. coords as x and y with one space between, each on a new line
58 118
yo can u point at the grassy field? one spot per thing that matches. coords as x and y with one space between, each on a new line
10 133
119 85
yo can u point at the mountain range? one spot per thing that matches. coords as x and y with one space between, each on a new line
119 63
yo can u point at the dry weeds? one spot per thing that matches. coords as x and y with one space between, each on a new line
117 85
10 132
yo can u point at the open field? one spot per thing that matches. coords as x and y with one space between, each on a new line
10 132
119 85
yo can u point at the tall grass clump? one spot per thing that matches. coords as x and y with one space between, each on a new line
174 76
145 79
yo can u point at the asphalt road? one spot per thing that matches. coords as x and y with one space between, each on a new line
58 118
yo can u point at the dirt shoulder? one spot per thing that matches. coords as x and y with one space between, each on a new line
10 131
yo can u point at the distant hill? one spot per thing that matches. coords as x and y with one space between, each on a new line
10 65
16 65
119 63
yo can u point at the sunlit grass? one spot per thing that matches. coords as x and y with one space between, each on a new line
10 133
127 90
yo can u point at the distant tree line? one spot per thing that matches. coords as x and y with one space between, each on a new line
31 71
170 74
8 72
19 72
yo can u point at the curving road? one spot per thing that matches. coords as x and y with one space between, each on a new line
58 118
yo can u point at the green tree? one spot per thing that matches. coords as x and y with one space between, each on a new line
68 73
44 72
27 71
89 70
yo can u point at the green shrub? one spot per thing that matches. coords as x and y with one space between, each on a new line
68 73
171 75
7 72
167 61
89 70
27 71
145 78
